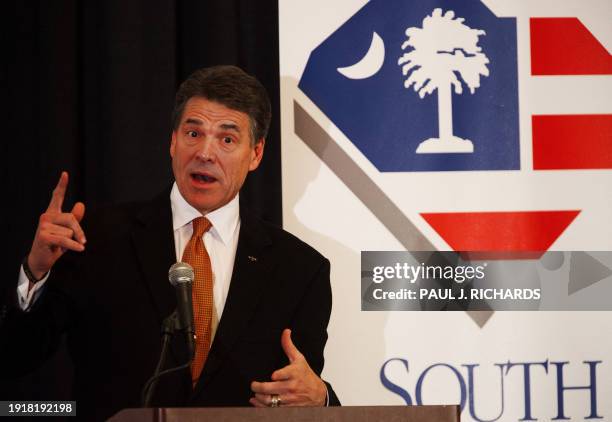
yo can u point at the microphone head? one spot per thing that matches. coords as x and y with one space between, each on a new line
180 273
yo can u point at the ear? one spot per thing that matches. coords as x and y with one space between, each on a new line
257 154
173 143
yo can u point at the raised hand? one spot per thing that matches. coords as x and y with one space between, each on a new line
57 232
294 385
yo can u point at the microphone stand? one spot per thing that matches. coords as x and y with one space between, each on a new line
170 324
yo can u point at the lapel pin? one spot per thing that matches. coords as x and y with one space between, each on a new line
252 258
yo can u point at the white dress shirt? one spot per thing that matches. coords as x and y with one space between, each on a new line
220 241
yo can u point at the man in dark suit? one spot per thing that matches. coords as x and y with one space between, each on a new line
269 296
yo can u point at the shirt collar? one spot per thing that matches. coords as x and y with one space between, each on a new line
224 220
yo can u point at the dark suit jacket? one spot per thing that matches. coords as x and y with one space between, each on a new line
112 298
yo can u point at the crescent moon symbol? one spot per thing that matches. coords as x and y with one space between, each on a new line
369 64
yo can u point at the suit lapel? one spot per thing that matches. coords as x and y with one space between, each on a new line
153 239
249 278
154 244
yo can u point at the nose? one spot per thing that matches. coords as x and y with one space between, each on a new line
206 151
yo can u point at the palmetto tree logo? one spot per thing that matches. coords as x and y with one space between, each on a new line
444 52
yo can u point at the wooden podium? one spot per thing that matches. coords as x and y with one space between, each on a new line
294 414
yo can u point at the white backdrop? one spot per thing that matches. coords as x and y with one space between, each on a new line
365 348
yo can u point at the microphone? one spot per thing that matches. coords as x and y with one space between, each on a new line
181 277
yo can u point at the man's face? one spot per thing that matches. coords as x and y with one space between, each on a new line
212 153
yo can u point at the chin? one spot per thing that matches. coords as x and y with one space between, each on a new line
206 206
203 207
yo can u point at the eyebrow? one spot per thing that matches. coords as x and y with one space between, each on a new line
191 120
230 126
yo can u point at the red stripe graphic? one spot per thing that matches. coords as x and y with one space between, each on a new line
564 46
572 142
516 232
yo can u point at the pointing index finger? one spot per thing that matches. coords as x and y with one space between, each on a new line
57 199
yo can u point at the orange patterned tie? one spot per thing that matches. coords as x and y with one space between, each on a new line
202 294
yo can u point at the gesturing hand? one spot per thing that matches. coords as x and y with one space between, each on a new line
295 385
57 231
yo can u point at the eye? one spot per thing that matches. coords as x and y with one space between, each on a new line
227 140
192 134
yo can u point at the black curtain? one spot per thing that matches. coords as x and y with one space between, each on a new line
88 87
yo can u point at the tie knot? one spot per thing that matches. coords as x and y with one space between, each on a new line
200 226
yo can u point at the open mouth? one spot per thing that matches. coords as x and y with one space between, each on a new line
202 178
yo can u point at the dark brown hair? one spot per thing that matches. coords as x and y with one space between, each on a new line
232 87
